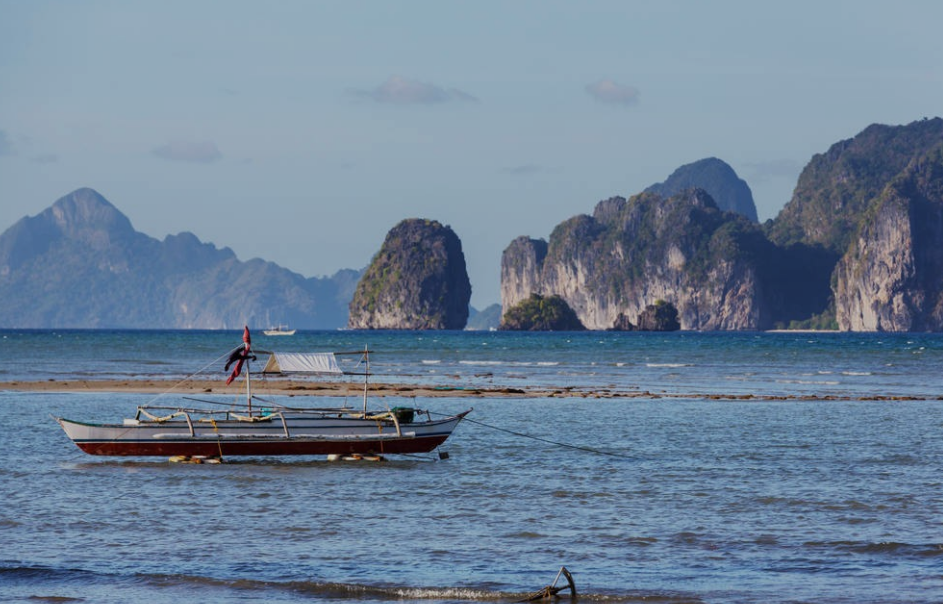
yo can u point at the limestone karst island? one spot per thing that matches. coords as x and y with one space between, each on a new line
859 247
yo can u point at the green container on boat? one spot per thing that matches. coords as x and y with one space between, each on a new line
404 415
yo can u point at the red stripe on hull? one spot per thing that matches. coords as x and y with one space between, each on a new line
263 448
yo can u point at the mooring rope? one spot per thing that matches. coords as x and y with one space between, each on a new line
191 376
544 440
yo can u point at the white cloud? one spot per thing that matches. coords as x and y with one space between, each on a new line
607 91
403 91
201 153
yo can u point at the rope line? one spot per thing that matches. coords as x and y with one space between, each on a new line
192 375
545 440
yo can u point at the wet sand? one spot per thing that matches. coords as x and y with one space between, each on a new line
288 387
271 387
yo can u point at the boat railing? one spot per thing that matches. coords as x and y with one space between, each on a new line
159 414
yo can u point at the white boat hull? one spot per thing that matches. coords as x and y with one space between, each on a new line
280 434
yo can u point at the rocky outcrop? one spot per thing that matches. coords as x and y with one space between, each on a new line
622 323
891 278
630 253
660 316
417 280
81 264
730 192
539 313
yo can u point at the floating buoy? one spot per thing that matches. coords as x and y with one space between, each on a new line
355 457
195 459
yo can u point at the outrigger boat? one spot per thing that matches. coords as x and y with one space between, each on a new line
269 429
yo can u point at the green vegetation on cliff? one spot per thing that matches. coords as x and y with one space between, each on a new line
539 313
617 247
836 187
660 316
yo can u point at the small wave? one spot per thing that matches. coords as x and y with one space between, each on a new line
431 362
14 572
856 373
525 535
357 592
891 548
669 365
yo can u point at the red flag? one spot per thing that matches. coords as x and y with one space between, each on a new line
239 356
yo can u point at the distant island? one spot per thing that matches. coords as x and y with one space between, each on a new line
80 264
417 280
859 247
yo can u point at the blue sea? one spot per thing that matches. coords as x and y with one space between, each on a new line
679 468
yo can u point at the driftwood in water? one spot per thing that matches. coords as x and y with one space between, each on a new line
552 591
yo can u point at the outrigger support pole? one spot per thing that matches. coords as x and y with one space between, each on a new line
366 377
552 591
248 387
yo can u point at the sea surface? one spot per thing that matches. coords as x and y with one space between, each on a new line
743 468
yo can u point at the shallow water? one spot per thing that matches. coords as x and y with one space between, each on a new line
684 499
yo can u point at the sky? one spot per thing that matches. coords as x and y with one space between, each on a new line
301 132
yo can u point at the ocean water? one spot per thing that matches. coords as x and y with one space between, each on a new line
825 486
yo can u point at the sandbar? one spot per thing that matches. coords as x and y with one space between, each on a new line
289 387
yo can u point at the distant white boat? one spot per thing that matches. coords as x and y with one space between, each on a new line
280 330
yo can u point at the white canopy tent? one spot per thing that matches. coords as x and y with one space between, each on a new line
302 362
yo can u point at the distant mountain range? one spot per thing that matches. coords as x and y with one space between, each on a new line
80 264
859 247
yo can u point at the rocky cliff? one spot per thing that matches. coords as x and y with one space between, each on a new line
836 187
891 277
854 203
81 264
859 246
729 191
417 280
630 253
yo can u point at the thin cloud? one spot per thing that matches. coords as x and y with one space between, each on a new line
200 153
608 91
45 158
6 145
522 170
403 91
